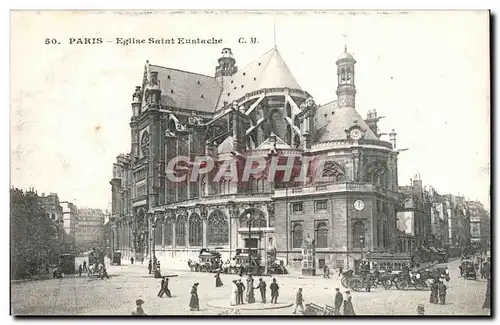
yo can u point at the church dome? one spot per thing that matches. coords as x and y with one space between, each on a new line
346 56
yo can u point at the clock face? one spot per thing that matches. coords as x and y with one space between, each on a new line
359 205
356 134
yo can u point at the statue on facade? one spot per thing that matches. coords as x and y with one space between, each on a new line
154 79
308 241
137 95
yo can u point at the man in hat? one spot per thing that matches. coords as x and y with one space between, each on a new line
241 289
299 301
442 292
339 299
420 310
162 284
262 288
194 303
139 311
274 291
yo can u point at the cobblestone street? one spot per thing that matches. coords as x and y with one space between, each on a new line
116 296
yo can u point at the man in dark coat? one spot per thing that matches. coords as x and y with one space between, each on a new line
85 266
262 288
299 301
80 269
274 291
339 299
166 290
218 282
241 289
442 292
150 266
434 292
162 284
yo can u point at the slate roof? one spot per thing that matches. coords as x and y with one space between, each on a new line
183 89
268 71
337 120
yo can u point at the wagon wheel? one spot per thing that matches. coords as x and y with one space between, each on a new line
402 284
355 284
387 283
420 285
345 282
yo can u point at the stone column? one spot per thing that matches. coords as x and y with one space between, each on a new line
205 227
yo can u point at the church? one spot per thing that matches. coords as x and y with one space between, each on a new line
260 112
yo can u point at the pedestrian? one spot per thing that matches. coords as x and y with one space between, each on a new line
162 284
104 273
150 266
368 281
80 269
131 260
434 291
262 288
338 301
234 293
85 266
340 271
194 303
250 293
274 291
241 289
241 271
348 308
218 282
139 311
166 290
487 302
142 260
442 292
299 300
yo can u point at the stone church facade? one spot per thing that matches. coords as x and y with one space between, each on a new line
258 112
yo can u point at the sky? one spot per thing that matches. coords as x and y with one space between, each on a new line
426 72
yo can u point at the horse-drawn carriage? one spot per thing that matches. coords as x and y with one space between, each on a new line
468 269
208 261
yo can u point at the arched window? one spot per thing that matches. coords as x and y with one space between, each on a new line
358 235
258 219
180 232
195 230
217 229
321 232
297 235
158 232
169 229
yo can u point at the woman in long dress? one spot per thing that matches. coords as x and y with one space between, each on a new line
234 293
218 281
194 303
348 308
250 294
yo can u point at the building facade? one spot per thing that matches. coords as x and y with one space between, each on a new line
70 224
90 229
479 225
54 211
346 202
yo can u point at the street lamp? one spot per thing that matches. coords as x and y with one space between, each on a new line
362 241
154 238
249 220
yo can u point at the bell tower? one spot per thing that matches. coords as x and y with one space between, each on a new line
227 64
346 90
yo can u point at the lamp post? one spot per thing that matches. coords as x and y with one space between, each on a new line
362 241
249 220
154 238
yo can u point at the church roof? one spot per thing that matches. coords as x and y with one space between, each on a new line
336 120
268 71
183 89
226 146
269 145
